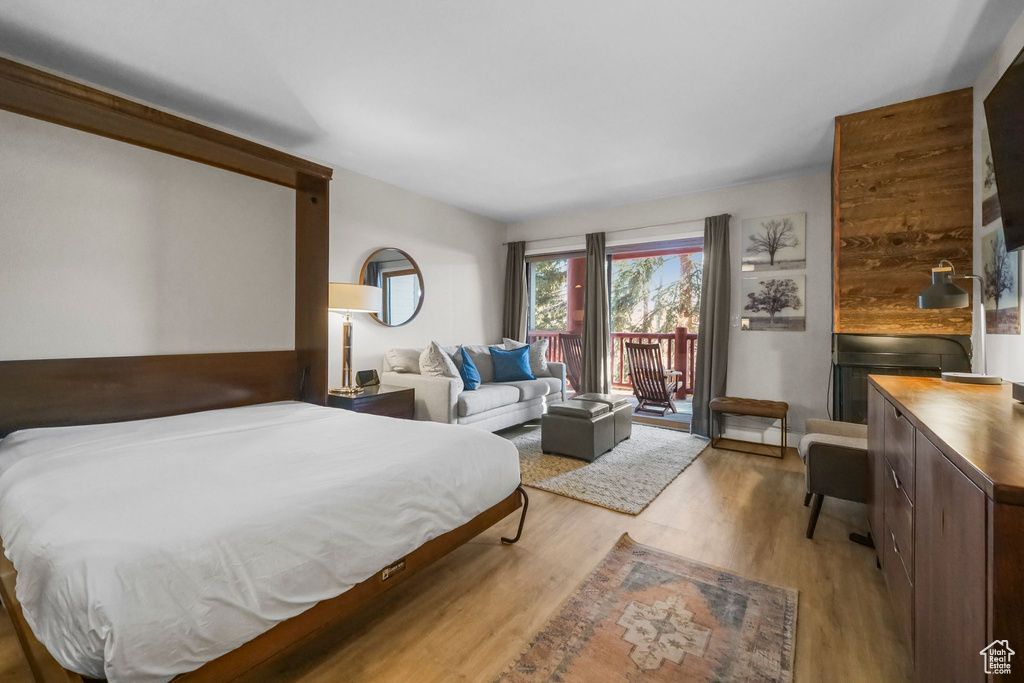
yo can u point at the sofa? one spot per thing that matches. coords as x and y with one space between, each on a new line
491 406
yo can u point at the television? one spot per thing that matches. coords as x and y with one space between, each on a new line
1004 110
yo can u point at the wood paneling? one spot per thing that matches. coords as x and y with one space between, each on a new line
902 201
74 391
41 95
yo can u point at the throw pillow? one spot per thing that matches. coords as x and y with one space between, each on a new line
511 366
434 362
538 354
467 368
404 360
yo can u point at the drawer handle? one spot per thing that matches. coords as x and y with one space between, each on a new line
895 479
895 547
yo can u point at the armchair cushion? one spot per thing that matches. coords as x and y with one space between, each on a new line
836 428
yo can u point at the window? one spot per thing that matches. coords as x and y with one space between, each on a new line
655 292
549 294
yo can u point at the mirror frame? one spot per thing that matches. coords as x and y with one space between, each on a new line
419 274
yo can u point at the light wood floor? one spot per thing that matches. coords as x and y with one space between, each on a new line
467 617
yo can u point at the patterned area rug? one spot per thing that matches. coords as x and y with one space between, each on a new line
647 615
625 479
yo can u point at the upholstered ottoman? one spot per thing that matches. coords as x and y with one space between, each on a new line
579 429
621 413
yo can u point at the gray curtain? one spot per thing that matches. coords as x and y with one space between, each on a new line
713 332
596 372
513 322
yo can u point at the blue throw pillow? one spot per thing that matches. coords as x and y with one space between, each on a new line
470 375
511 366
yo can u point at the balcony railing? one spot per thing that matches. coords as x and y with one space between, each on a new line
679 352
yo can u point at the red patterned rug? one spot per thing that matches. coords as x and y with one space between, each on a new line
647 615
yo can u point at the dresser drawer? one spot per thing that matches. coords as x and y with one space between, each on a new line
899 446
899 517
901 590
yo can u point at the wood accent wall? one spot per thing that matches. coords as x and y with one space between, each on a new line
902 200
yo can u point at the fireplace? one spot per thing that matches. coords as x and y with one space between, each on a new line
855 356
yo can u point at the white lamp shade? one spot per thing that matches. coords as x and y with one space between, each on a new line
343 296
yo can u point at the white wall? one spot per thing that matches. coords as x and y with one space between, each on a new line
459 252
787 366
1005 352
108 249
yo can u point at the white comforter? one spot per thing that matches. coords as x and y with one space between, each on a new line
147 548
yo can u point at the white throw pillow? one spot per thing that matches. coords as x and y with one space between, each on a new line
538 354
404 360
434 362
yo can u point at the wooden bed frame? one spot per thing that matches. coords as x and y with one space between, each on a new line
73 391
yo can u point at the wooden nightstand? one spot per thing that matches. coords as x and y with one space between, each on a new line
383 399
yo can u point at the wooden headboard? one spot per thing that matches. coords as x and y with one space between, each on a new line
43 393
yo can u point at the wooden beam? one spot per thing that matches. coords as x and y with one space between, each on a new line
312 273
41 95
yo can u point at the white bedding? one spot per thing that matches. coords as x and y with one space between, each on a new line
147 548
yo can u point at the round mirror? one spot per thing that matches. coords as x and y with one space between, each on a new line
401 284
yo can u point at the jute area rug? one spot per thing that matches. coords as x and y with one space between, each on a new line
647 615
625 479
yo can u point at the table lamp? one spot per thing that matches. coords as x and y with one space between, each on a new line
348 298
943 293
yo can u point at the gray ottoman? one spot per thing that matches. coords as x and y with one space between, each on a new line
580 429
621 412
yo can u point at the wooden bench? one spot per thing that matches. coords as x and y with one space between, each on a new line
748 407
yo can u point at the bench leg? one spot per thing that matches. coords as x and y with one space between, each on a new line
784 430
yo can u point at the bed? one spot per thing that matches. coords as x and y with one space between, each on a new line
146 549
188 521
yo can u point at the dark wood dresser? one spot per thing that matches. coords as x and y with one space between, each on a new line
946 509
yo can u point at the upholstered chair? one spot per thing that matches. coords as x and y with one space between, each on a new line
835 456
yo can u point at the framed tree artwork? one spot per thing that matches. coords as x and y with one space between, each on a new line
774 243
989 198
1002 285
775 303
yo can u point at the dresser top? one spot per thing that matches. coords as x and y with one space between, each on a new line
979 428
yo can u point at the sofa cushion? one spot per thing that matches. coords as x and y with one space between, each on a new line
481 355
535 388
403 360
486 397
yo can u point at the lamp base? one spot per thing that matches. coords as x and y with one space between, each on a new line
971 378
346 391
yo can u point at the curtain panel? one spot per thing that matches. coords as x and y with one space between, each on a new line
713 333
597 343
513 322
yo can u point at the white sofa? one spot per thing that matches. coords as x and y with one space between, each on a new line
491 406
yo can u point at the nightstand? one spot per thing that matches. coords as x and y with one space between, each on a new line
383 399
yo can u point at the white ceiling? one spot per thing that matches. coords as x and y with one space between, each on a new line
523 108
